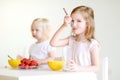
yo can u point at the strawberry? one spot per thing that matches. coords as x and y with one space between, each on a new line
34 63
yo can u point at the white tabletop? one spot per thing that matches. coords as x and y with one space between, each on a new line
44 74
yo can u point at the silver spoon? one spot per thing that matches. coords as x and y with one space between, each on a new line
10 57
65 11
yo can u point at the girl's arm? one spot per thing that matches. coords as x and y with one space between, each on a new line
56 40
95 58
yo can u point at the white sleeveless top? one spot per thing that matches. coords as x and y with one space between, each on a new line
80 51
41 50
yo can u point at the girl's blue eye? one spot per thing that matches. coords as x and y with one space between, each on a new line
78 20
37 30
72 21
32 30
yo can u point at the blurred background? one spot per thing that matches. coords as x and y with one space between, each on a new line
16 17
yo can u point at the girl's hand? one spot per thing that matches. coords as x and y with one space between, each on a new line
72 66
36 59
19 56
67 19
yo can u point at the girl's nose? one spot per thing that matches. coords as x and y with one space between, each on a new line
74 24
33 32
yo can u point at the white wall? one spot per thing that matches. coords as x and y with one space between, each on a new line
16 17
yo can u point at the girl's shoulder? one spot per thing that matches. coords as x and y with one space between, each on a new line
44 43
94 43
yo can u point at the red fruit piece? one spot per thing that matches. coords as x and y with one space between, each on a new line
27 62
27 67
21 64
23 60
33 63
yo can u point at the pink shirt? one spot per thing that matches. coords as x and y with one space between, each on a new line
80 51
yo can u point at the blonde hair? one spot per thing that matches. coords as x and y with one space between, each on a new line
44 24
88 15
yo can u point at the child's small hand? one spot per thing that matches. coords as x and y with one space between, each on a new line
67 19
19 56
36 59
72 66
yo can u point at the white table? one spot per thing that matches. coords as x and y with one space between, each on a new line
44 74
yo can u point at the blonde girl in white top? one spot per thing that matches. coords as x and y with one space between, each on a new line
83 48
41 51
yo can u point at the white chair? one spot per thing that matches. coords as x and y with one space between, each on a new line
105 68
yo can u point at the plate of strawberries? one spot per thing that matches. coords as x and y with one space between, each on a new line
28 64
